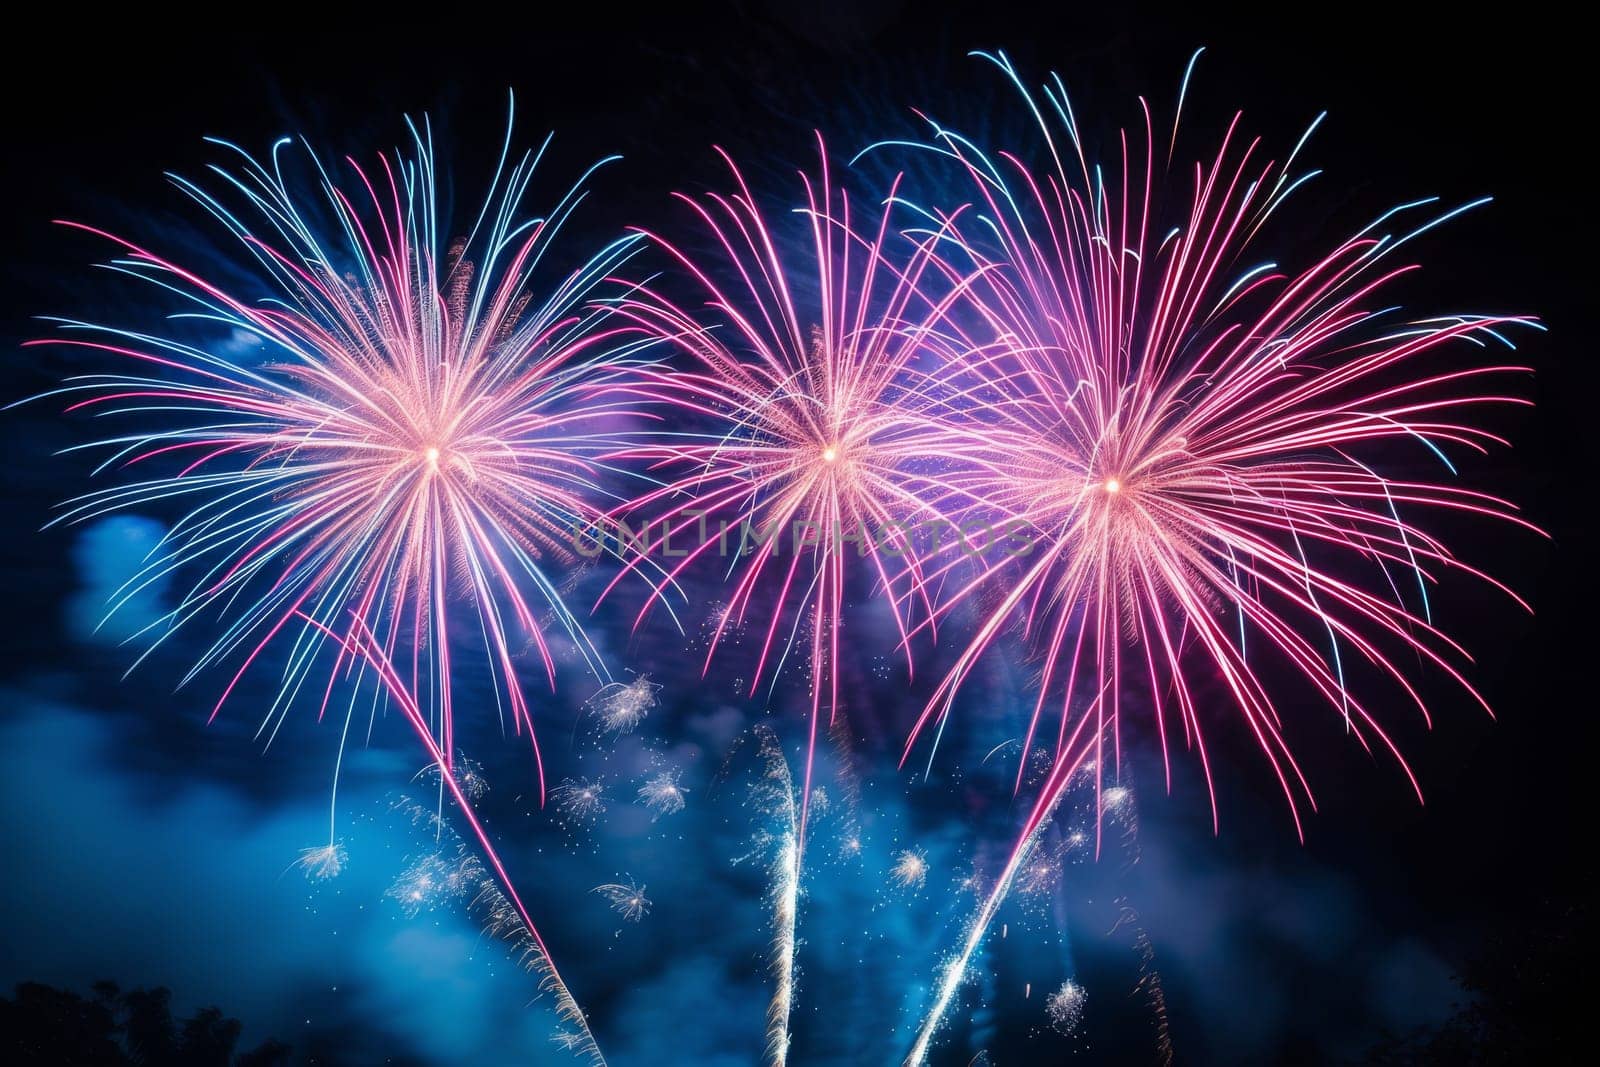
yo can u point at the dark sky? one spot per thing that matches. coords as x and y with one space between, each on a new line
145 847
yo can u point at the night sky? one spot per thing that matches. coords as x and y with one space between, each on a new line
144 846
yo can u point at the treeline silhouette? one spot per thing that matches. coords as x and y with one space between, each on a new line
41 1025
1529 999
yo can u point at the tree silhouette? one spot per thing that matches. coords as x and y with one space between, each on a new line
1529 990
44 1025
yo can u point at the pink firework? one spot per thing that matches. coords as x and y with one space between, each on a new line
824 421
389 431
1195 444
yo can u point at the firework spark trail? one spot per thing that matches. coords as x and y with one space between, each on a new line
1120 804
503 921
785 911
507 922
1150 982
774 796
509 919
954 973
824 424
1184 443
411 426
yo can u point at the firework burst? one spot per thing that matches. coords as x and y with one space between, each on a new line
381 431
1042 874
823 424
1195 446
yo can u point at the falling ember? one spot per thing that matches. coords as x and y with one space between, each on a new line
579 800
323 862
627 899
1065 1007
622 707
910 869
434 880
569 1040
468 774
662 794
821 801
